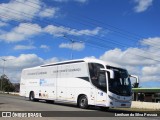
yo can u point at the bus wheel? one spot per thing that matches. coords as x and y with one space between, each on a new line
31 96
83 102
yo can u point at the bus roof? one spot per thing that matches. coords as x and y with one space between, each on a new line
87 60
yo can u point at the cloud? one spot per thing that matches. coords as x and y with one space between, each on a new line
48 12
24 47
61 31
14 65
151 70
135 59
2 24
74 46
151 42
26 30
131 57
90 57
22 61
142 5
52 60
80 1
22 10
21 32
45 47
26 60
85 32
25 10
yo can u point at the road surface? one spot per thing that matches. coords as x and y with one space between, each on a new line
17 103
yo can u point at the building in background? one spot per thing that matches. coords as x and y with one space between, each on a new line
146 94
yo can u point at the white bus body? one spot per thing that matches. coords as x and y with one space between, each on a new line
83 82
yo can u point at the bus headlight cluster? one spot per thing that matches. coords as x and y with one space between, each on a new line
112 98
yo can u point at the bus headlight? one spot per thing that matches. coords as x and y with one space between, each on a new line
111 97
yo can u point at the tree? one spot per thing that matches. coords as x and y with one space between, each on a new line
17 87
5 84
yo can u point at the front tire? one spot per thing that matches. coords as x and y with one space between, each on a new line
83 102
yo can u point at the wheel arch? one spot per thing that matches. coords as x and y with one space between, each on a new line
79 96
31 95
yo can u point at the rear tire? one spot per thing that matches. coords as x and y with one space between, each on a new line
32 97
83 102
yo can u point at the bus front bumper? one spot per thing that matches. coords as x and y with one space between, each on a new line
118 104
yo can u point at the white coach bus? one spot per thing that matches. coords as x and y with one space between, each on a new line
83 82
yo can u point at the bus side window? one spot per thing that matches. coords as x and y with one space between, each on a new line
98 77
92 71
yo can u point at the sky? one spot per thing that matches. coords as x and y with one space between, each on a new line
123 32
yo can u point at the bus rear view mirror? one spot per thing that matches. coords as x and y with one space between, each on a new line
110 71
135 85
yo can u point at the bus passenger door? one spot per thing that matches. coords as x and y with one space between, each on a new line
98 79
101 89
51 89
52 83
100 98
61 84
61 92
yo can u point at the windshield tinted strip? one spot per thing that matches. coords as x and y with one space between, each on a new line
84 78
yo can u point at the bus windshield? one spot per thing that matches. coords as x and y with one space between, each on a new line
120 84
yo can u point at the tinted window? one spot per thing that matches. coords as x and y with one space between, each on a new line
98 77
121 84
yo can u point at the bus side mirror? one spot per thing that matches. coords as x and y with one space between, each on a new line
135 85
110 71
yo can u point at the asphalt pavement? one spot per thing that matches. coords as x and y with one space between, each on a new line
22 107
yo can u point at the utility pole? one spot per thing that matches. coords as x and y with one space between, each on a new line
72 42
72 49
4 60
